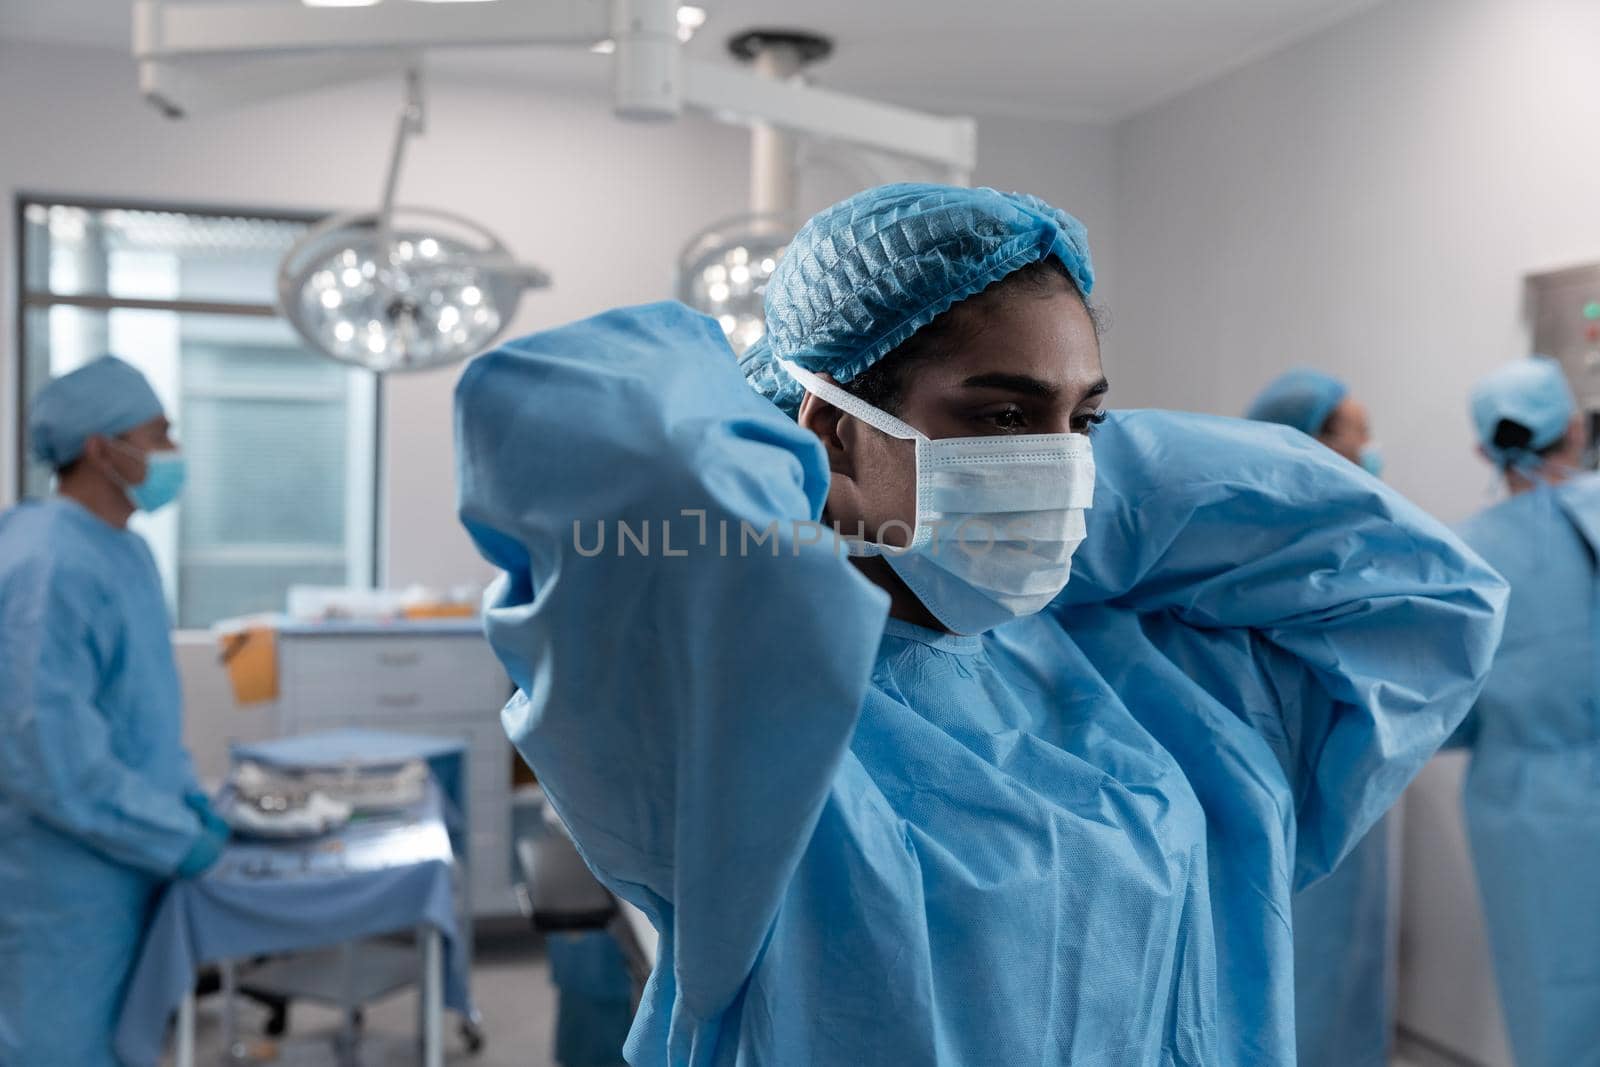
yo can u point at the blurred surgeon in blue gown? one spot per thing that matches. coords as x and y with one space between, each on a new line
99 806
1532 793
914 797
1344 933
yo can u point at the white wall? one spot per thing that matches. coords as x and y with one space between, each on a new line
603 205
1073 166
1367 202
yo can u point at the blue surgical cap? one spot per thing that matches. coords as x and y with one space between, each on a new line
864 275
1301 398
1534 394
107 397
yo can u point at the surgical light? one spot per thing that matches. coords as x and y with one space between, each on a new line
413 311
401 288
724 271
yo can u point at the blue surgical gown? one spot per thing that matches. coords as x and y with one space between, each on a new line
1344 960
92 777
1071 840
1532 793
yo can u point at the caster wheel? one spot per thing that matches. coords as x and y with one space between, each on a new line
472 1035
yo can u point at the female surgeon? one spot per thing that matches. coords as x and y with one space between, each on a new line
913 797
1531 798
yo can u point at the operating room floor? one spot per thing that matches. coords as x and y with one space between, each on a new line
511 982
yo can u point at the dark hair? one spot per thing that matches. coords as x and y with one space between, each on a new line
883 384
1513 437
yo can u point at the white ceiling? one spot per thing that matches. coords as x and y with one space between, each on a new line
1091 60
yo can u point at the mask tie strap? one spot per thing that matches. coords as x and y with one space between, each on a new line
823 389
854 406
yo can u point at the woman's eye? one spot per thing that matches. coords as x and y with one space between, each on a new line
1008 419
1086 422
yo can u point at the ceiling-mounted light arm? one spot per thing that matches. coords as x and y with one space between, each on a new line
647 60
189 53
731 93
185 29
413 122
213 85
173 41
777 55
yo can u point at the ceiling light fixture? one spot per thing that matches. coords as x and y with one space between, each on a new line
724 271
402 288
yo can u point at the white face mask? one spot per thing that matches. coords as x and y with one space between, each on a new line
998 518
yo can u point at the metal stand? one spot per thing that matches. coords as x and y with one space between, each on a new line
432 996
185 1051
430 1007
230 1015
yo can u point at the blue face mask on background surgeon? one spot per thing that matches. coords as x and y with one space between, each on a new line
1372 460
998 518
165 472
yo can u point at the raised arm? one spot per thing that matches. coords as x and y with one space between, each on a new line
692 654
1371 626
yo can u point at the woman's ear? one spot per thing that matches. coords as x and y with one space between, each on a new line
822 419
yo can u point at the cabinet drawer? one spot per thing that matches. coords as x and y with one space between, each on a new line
389 709
392 675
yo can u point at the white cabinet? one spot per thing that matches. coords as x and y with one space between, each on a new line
430 678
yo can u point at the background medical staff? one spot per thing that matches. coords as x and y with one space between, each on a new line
98 800
1321 406
1343 933
1532 794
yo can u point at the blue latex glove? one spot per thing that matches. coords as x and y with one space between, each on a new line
206 850
200 804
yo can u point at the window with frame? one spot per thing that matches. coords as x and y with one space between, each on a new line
281 442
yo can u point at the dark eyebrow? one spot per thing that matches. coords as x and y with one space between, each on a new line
1013 383
1029 386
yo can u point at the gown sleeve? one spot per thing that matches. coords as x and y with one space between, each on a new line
1352 630
691 652
56 755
